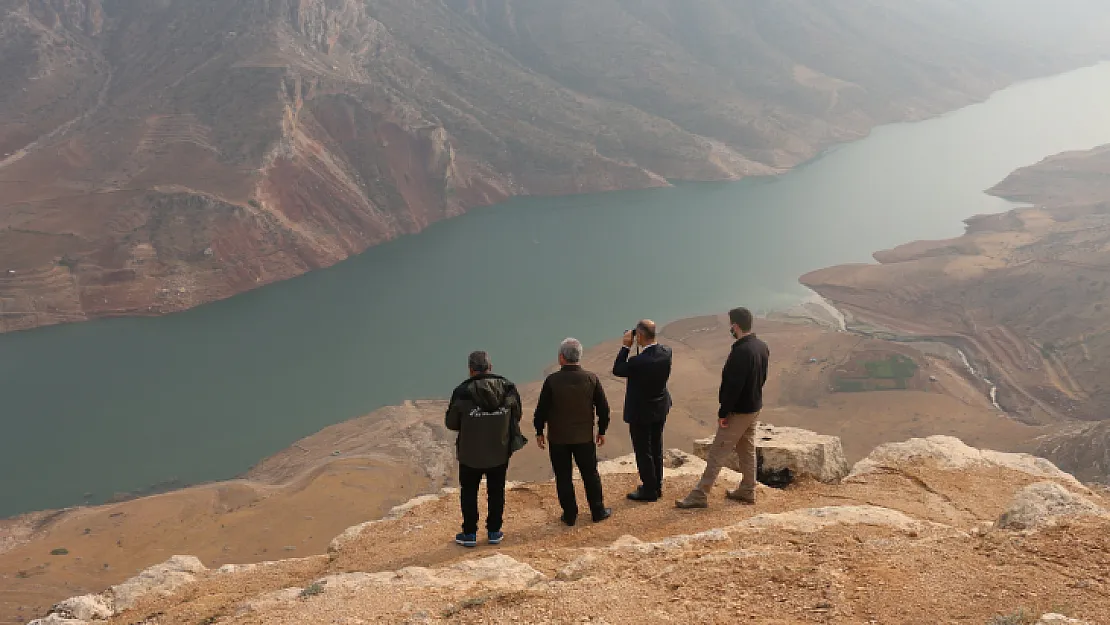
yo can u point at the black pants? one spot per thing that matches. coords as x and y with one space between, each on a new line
585 456
647 442
469 479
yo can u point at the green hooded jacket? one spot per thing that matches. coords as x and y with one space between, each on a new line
481 410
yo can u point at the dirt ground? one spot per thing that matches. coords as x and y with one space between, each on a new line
934 571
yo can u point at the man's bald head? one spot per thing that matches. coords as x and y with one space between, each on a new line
646 330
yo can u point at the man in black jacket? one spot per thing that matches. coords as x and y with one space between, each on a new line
482 410
646 405
741 399
567 404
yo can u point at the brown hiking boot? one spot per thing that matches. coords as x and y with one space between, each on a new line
744 498
696 499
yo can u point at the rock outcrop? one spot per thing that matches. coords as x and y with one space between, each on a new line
85 608
1044 504
785 454
157 581
864 550
952 454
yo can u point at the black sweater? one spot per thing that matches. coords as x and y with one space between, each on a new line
743 377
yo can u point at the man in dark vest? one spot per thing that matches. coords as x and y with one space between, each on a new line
481 411
646 404
568 401
741 398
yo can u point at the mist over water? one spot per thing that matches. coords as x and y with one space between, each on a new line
118 405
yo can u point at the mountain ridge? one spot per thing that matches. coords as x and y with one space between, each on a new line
156 156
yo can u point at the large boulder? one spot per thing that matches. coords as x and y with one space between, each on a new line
1044 504
950 453
159 580
84 608
785 454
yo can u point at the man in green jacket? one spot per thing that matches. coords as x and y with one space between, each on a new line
481 410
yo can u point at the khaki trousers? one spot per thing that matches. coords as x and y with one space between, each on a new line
739 436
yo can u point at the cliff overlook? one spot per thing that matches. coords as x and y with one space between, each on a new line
925 531
159 155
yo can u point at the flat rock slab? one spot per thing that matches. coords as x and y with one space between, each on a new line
1060 619
812 520
785 454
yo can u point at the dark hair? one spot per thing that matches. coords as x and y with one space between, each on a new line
478 362
741 317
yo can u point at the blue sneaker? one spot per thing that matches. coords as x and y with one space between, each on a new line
495 538
466 540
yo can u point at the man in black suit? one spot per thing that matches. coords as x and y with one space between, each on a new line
646 404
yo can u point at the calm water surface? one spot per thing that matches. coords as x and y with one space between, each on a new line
118 405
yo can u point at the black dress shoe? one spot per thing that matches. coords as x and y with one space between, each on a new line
569 521
643 495
603 514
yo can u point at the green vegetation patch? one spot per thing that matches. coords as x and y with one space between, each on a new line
893 372
850 386
897 367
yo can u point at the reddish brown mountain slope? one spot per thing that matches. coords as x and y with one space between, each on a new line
155 155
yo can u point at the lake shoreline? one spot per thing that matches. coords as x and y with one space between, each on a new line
45 319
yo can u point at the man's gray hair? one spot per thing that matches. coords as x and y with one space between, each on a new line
478 362
571 351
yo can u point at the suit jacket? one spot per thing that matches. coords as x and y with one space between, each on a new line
646 398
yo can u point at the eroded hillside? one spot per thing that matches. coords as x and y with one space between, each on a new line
158 155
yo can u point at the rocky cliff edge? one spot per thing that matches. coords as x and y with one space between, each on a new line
925 531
